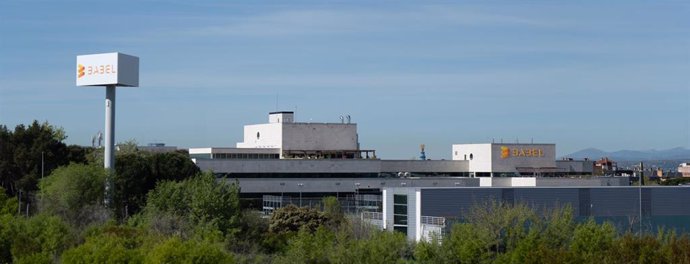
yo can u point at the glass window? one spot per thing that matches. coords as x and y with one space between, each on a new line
400 219
400 209
399 199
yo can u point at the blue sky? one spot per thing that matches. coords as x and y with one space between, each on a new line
606 74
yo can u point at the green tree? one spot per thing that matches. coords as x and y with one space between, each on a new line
199 200
40 239
592 241
75 192
137 173
175 250
21 152
333 212
292 218
108 244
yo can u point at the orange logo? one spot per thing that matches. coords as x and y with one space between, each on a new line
80 71
505 152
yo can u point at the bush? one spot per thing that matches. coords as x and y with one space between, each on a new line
40 236
174 250
75 193
200 201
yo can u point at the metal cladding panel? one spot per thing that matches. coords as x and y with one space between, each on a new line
614 201
455 202
667 201
547 198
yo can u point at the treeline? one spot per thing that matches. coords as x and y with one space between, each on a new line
166 211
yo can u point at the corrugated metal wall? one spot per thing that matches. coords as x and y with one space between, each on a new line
597 201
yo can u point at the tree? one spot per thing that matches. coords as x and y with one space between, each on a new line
75 192
333 212
108 244
175 250
40 239
591 241
137 173
22 150
292 218
199 200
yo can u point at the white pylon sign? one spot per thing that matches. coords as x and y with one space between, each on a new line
109 70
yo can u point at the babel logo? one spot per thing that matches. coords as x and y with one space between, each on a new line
505 152
95 70
80 71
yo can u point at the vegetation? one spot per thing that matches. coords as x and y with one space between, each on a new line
166 211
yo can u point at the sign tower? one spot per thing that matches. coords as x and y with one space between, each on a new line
109 70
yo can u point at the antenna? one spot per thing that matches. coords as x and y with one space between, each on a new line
342 119
348 119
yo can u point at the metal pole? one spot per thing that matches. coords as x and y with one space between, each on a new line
109 155
640 194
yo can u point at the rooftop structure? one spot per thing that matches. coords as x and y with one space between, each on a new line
684 169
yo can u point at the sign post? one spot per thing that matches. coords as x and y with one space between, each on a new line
109 70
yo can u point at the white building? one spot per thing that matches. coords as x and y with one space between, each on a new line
495 160
303 140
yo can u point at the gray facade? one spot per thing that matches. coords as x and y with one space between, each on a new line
658 206
372 167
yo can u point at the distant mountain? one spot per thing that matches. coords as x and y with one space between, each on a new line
633 155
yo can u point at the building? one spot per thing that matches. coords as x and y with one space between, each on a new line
605 166
420 212
684 169
507 160
284 148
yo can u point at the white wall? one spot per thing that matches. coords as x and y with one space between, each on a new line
480 153
413 210
488 157
270 136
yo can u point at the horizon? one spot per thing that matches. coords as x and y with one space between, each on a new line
589 75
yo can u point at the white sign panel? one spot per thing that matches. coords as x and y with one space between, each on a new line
107 69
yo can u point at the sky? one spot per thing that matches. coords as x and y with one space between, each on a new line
606 74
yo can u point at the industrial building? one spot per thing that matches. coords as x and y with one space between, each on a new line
421 212
284 148
288 162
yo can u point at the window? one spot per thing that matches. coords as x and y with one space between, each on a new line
471 156
258 135
400 213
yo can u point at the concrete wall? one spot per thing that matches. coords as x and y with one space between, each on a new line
424 166
576 166
342 185
233 150
331 166
546 159
291 166
319 136
595 181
